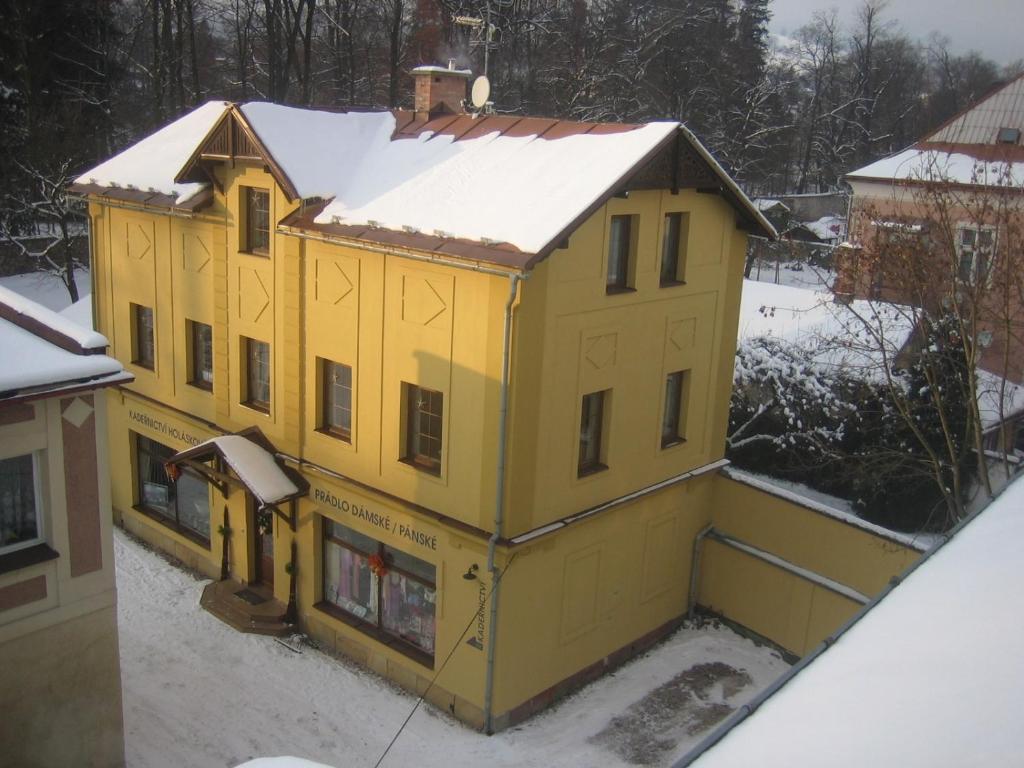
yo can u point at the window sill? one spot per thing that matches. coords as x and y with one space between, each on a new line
166 522
591 470
258 254
615 290
372 631
258 407
200 385
144 365
427 469
342 437
671 283
23 558
665 444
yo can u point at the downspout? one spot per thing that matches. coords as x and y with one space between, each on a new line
499 499
691 602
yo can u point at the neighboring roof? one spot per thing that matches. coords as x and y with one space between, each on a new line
990 390
766 204
930 675
43 352
827 227
251 456
980 123
518 184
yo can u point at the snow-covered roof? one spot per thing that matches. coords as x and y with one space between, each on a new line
42 351
254 465
151 164
827 227
767 203
931 675
80 312
850 336
980 123
990 391
924 164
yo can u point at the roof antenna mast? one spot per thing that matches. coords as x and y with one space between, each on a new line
481 35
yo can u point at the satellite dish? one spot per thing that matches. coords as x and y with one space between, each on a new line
481 91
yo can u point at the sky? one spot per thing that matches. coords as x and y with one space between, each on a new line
991 27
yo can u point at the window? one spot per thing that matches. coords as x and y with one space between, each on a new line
390 592
975 246
673 248
424 409
620 245
257 220
1008 136
591 427
143 346
184 504
337 400
257 374
200 340
20 523
673 419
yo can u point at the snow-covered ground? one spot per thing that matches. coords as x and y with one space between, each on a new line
198 693
795 274
47 289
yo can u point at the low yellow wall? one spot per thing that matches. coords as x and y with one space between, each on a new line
787 608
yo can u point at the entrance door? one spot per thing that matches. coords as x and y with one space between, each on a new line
264 549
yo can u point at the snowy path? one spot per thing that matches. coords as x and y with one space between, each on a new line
197 693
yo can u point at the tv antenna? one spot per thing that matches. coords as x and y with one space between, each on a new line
481 32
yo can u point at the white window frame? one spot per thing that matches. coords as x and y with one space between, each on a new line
972 252
37 487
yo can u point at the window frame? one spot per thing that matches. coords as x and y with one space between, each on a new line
673 425
590 462
972 252
328 404
375 627
618 273
676 250
37 503
195 351
250 196
411 453
139 328
249 345
173 523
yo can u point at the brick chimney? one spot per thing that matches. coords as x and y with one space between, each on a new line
439 90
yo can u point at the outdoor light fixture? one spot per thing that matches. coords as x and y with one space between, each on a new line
470 574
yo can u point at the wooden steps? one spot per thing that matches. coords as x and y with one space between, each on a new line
264 618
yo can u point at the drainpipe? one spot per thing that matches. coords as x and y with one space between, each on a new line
499 499
691 602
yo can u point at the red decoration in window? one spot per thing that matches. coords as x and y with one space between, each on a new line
378 566
173 471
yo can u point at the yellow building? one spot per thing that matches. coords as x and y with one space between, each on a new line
60 679
447 392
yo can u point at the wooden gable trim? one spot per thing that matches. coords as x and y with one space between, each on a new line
232 138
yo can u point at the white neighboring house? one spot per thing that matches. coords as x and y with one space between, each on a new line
60 684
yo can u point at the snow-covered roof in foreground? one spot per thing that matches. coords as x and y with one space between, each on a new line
152 164
931 676
281 762
923 164
31 362
850 336
522 190
255 467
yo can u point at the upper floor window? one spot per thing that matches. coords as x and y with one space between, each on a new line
620 253
975 245
673 419
257 374
257 220
423 428
143 344
336 418
20 523
673 248
182 504
591 434
200 340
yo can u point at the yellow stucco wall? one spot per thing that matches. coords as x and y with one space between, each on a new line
786 608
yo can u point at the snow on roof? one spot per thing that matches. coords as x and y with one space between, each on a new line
922 164
80 312
152 163
522 190
255 467
31 362
827 227
858 337
990 388
931 675
767 203
281 762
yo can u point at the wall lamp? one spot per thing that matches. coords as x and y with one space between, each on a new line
470 574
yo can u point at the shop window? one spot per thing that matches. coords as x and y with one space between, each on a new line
20 516
673 248
257 221
183 504
200 341
591 434
620 253
392 594
336 418
256 361
143 344
673 419
975 246
423 428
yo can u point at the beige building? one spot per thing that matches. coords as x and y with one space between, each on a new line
60 680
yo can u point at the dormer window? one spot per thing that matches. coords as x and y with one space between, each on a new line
1008 136
257 221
